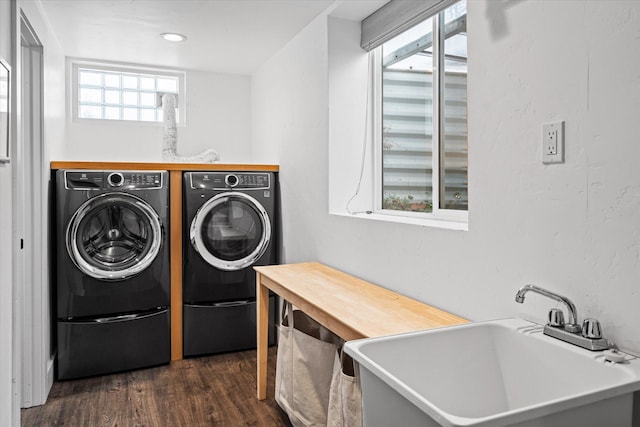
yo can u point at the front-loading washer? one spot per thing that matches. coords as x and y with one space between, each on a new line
230 223
112 271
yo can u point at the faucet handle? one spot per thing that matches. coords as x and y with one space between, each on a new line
555 318
591 329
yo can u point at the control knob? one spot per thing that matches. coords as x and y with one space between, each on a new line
115 179
231 180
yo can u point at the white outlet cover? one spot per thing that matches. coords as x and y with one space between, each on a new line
548 131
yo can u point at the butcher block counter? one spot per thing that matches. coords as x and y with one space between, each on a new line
350 307
163 166
175 212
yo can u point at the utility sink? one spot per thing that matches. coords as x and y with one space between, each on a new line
500 372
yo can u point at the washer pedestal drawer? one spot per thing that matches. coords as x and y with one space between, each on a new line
114 344
223 327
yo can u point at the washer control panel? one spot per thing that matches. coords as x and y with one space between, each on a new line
230 180
101 180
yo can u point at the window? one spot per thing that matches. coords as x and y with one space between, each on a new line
420 119
109 92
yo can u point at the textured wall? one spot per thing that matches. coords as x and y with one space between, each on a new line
573 228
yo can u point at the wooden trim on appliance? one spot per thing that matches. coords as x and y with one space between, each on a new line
164 166
175 240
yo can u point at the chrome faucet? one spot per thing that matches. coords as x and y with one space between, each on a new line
572 325
588 336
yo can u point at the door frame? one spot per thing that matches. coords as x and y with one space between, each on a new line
31 271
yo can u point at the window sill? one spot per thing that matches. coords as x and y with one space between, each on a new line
421 222
118 122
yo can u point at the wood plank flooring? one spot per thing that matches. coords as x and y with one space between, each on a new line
217 390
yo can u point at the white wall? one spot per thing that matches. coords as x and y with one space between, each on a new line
350 148
290 128
218 117
573 228
6 312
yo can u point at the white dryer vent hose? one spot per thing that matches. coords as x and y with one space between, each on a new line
170 137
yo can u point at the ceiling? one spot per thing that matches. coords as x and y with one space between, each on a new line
229 36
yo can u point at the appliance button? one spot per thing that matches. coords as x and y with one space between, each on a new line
115 179
231 180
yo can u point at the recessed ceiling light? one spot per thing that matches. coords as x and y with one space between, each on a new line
173 37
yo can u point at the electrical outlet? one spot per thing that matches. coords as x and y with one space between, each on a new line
553 142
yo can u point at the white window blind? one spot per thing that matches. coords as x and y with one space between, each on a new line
396 17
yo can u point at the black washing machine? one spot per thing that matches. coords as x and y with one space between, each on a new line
113 278
229 227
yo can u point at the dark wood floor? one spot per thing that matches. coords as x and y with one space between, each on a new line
216 390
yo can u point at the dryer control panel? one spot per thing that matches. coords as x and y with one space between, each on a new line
229 180
99 180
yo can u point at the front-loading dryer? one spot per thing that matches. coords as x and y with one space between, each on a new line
112 271
229 226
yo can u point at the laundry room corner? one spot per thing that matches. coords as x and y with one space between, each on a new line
182 177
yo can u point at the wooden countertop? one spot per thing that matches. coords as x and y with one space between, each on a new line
350 307
164 166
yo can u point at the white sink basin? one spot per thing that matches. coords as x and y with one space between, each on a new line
502 372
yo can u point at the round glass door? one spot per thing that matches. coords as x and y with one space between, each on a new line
231 231
114 236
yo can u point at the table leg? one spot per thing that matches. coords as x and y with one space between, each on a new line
262 316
